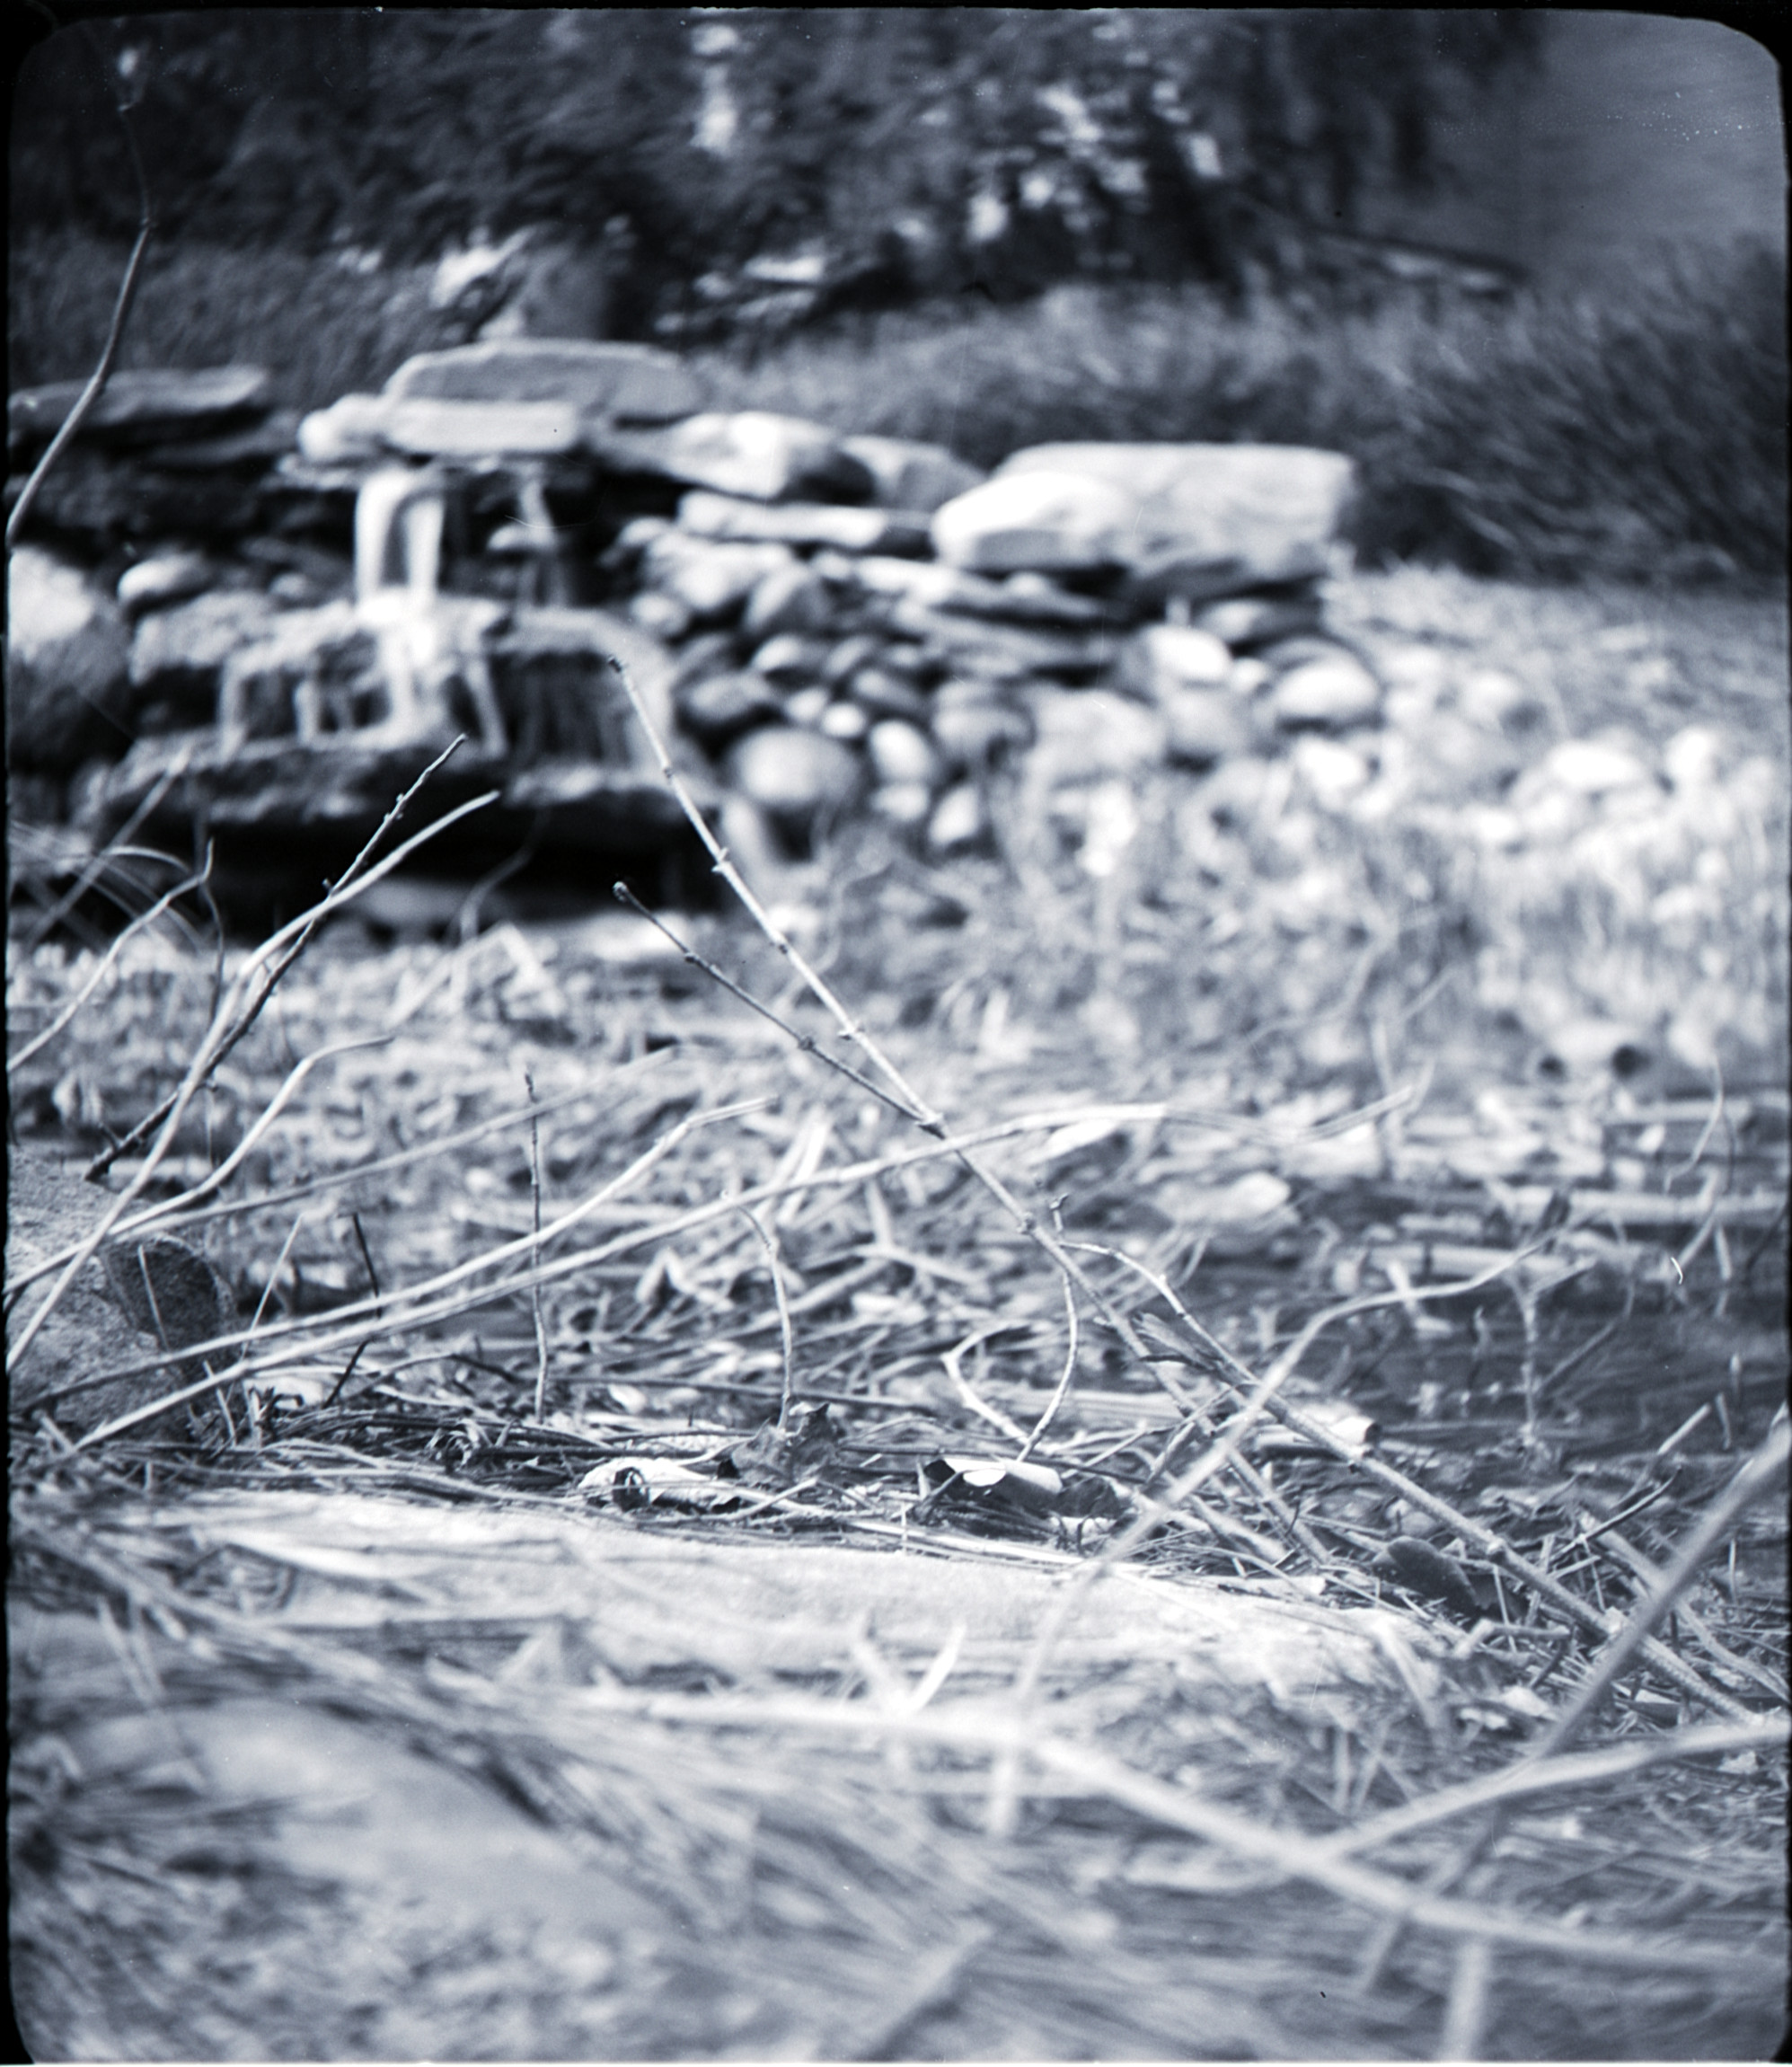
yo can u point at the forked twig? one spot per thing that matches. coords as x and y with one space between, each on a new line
921 1110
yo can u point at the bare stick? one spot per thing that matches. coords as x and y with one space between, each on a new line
1465 2013
1057 1398
1551 1775
807 1043
924 1114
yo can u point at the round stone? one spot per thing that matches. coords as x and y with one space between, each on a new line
903 753
794 773
903 803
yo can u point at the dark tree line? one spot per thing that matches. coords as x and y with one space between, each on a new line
925 150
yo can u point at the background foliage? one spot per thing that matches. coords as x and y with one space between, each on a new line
723 135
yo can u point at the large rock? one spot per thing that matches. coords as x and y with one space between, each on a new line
908 475
902 753
880 693
122 1309
1246 622
788 660
620 384
1205 520
796 776
68 666
711 578
961 820
247 450
178 657
717 708
974 726
748 453
1085 734
350 430
141 407
804 525
108 496
1046 521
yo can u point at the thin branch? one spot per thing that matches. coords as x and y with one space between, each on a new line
925 1116
535 1250
95 387
807 1043
1057 1398
1555 1774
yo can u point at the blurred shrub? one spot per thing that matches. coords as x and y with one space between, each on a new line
320 327
1641 436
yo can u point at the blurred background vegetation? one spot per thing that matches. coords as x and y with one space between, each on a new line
989 226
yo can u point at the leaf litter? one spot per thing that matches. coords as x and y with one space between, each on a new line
763 1606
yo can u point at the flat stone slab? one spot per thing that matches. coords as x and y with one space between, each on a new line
804 525
909 476
1264 513
749 452
622 382
431 428
154 402
337 792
